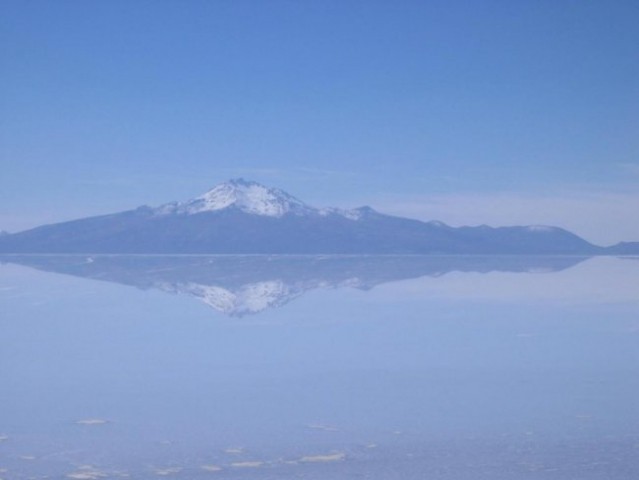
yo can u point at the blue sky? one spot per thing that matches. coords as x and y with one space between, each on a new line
497 112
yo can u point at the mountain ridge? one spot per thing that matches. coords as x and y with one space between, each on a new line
245 217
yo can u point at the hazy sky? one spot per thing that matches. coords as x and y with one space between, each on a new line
498 112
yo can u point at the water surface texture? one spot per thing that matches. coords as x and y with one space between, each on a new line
275 367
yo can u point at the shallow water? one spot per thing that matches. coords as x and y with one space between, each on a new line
249 367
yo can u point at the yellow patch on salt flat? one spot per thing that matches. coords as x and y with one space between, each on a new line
331 457
92 421
247 464
211 468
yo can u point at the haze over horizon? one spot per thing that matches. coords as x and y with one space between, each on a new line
469 113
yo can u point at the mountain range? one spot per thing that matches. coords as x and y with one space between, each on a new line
245 217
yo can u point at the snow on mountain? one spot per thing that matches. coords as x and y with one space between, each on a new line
250 197
245 217
253 198
354 214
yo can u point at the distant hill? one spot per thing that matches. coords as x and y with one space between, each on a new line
624 248
241 217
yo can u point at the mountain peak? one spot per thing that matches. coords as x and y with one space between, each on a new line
255 199
245 195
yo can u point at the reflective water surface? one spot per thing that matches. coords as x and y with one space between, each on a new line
266 367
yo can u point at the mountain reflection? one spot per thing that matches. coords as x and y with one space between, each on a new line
249 284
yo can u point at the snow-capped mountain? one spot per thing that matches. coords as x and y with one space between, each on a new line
240 216
246 196
252 198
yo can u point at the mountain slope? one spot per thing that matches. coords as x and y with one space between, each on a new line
624 248
245 217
